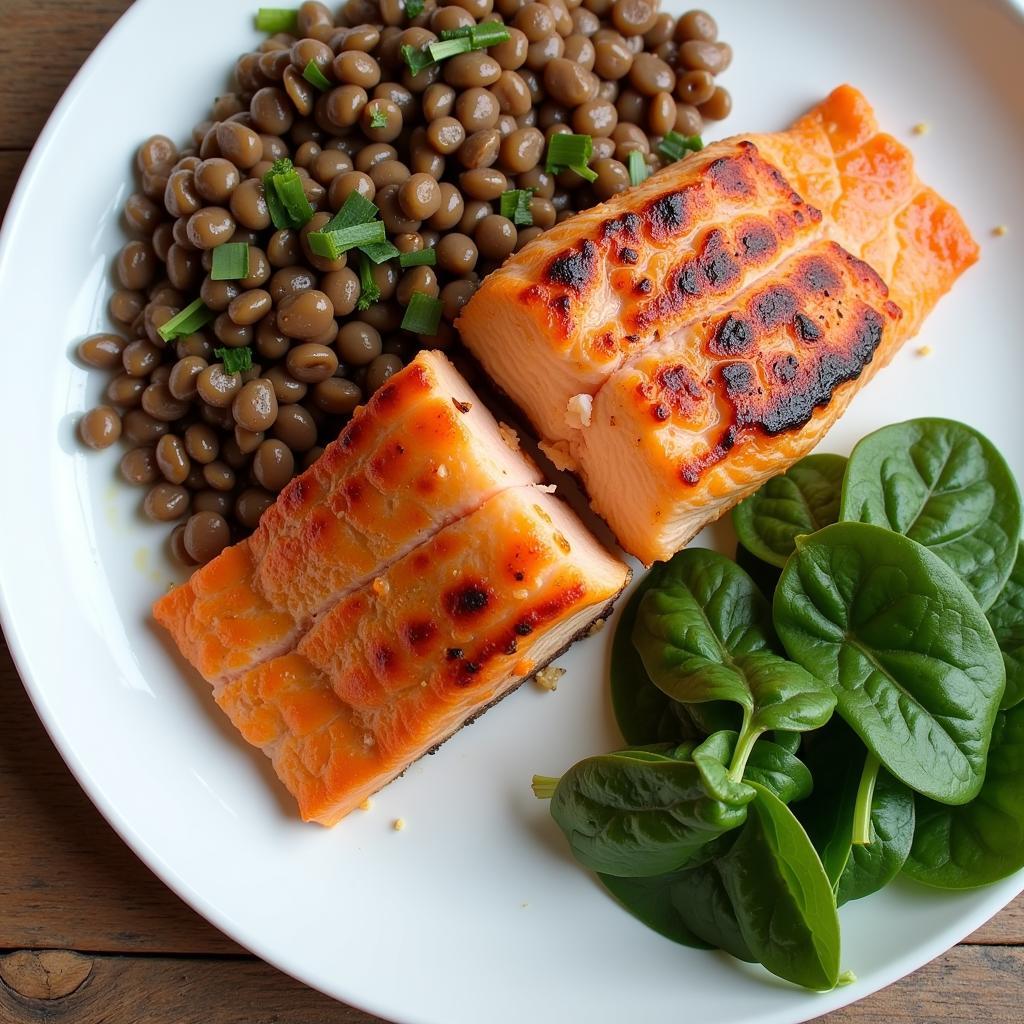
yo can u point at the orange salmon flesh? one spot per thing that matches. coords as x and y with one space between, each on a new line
700 332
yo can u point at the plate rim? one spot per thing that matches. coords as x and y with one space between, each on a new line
909 963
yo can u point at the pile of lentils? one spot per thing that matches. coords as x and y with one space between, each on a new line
433 151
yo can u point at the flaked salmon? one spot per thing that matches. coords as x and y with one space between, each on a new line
422 453
678 417
398 665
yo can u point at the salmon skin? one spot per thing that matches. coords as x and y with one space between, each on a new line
679 412
398 665
423 452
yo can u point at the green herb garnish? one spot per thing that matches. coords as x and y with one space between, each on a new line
277 19
378 119
331 244
380 252
356 209
235 360
445 48
515 204
413 8
286 198
422 315
638 171
316 77
416 60
675 146
230 262
369 293
423 258
188 321
570 152
489 33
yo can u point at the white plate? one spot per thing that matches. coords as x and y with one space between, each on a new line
474 912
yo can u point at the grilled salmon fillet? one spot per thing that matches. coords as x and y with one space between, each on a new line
672 344
398 665
422 453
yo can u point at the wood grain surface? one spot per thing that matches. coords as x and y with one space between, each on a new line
87 934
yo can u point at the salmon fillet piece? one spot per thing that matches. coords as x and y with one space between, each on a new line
591 292
396 667
672 431
675 434
422 453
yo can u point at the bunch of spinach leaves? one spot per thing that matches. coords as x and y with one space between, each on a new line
843 703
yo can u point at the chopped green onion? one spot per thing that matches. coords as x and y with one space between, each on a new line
278 214
380 252
235 360
378 118
416 59
277 19
515 204
356 209
422 315
369 293
445 48
331 244
584 172
316 77
289 207
413 8
489 33
675 146
572 152
188 321
637 167
423 258
230 262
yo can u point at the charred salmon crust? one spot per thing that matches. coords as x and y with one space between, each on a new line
579 302
767 316
396 667
422 453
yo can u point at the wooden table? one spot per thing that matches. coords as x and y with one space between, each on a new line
87 934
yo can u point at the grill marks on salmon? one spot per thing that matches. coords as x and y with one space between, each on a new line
422 453
589 294
397 666
664 427
710 397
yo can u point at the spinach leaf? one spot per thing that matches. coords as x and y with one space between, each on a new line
781 897
650 901
945 486
983 841
904 645
769 765
764 575
643 814
802 500
1006 617
704 634
704 906
873 866
779 771
643 712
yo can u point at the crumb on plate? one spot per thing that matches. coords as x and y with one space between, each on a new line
547 678
1000 230
925 350
399 824
366 804
921 128
596 626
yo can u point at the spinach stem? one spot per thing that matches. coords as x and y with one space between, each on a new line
744 745
865 797
544 786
